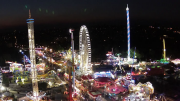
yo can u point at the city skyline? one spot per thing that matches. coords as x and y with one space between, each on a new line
55 12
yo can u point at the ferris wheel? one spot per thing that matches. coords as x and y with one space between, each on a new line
85 50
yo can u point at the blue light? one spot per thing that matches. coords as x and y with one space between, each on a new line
29 19
31 22
26 57
128 32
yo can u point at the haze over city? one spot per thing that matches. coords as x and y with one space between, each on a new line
150 12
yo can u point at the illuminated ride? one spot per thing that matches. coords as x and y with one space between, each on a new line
40 67
128 32
176 61
43 76
140 91
125 81
103 74
164 61
26 59
102 81
1 80
128 76
115 89
147 85
35 94
51 73
85 50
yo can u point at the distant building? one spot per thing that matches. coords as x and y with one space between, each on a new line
155 71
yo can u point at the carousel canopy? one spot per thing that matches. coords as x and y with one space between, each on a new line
103 79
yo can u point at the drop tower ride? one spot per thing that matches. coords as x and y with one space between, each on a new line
30 23
128 32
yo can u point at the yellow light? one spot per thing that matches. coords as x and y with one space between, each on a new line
50 50
23 80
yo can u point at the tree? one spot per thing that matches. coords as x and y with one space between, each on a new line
151 54
5 80
57 48
137 53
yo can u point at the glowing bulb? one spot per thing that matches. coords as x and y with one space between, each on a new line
2 88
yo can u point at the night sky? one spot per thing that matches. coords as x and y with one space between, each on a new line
15 12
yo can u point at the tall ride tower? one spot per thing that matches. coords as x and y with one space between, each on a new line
30 23
128 32
164 49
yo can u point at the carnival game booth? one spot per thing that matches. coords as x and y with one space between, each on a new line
155 71
93 94
102 81
14 66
